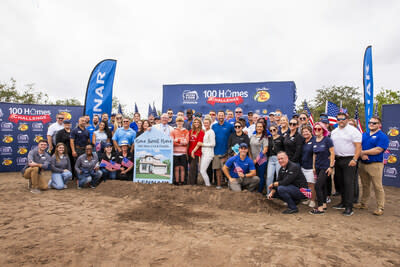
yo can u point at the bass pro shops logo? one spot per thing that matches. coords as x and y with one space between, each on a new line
190 97
262 95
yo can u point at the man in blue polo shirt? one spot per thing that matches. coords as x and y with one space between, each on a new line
124 133
222 131
241 171
374 143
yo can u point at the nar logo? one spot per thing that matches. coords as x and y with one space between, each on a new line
5 150
394 145
190 97
6 126
390 172
37 126
23 138
22 161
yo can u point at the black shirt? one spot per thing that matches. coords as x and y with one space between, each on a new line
292 175
236 139
62 136
81 137
275 145
293 146
128 175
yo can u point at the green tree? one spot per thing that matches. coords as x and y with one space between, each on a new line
168 162
9 92
386 96
68 102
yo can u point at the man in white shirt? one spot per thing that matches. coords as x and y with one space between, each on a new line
163 126
52 131
347 143
251 129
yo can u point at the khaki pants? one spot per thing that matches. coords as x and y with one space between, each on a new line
372 173
39 180
249 183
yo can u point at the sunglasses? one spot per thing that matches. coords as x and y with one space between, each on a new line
60 118
373 122
126 121
278 115
341 119
302 118
211 114
119 118
237 126
273 130
292 124
238 112
170 113
318 129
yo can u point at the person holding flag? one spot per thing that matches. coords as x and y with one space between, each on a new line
240 171
125 158
259 149
106 163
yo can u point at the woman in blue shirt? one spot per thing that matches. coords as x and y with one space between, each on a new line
306 162
323 163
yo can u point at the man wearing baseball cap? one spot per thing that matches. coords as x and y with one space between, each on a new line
241 171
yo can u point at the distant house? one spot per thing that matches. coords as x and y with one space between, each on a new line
151 164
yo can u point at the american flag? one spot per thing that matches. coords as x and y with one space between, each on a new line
126 163
306 192
332 110
356 117
311 118
237 168
261 159
98 146
110 164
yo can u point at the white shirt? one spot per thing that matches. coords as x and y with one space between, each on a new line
165 129
53 129
207 148
344 139
250 130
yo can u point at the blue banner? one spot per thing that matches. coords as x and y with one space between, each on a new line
258 97
99 90
368 84
23 125
391 157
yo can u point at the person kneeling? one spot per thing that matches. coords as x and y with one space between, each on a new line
287 187
60 168
241 171
87 168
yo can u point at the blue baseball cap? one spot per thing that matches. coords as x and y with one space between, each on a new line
243 145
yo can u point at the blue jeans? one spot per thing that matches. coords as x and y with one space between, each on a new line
58 180
108 175
261 174
273 168
289 194
85 178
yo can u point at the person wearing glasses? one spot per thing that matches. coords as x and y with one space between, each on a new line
259 145
213 116
374 143
347 142
118 122
293 143
238 115
236 138
124 133
240 171
323 164
196 136
303 121
52 131
171 120
252 128
283 126
163 126
275 145
87 168
277 116
80 138
188 122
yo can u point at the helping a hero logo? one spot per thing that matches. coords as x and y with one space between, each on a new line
8 139
7 162
190 97
37 126
23 138
5 150
6 126
390 172
393 131
262 95
22 161
23 127
394 145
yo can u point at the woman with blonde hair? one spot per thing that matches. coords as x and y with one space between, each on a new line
60 166
207 149
196 135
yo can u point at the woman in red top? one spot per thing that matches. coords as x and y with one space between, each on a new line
196 135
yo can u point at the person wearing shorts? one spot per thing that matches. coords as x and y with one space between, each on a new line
306 163
180 136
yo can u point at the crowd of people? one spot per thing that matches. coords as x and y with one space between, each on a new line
279 156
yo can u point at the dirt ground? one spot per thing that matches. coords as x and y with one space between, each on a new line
126 224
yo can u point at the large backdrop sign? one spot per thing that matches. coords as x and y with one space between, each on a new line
21 128
391 126
259 97
153 158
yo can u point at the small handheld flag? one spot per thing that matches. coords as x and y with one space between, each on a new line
261 159
306 192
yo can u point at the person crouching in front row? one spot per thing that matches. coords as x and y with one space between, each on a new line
87 168
60 167
287 186
241 171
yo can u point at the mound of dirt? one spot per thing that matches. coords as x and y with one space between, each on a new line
159 197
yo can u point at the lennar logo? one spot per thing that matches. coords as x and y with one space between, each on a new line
23 138
390 172
394 145
22 161
190 97
37 126
6 126
5 150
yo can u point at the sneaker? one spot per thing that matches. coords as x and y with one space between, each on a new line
290 211
92 186
306 202
49 185
339 206
78 187
312 204
360 206
378 212
316 212
328 200
348 212
219 187
65 186
29 184
36 191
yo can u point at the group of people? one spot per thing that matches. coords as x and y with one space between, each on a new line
289 159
